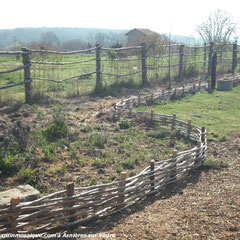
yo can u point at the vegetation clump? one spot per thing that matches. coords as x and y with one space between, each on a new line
57 128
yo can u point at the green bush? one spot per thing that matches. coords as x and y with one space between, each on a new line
93 181
214 163
97 140
191 70
86 128
26 175
124 124
159 134
21 133
99 163
58 127
129 163
112 54
7 164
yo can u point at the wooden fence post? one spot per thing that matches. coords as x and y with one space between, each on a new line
181 54
194 88
144 66
121 194
14 202
163 92
234 57
183 90
173 175
204 58
213 71
173 122
70 193
174 93
208 86
210 53
27 75
130 112
199 143
118 113
151 98
189 128
114 111
152 114
128 103
203 138
203 134
139 99
152 166
98 69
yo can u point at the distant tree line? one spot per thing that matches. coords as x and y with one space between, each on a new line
62 39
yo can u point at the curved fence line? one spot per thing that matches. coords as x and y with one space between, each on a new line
77 205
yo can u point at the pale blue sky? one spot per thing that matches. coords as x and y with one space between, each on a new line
158 15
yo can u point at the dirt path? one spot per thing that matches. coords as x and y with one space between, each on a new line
206 205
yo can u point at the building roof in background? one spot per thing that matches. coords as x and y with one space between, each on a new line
145 31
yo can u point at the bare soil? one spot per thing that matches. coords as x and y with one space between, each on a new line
206 205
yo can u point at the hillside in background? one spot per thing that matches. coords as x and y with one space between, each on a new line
187 40
9 37
71 37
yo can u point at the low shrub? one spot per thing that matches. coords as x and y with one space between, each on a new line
124 124
58 127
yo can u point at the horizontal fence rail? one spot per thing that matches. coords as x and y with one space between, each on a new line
78 205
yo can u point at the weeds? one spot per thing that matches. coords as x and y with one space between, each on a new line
86 128
7 164
214 163
124 124
159 134
26 175
97 140
21 134
58 127
129 163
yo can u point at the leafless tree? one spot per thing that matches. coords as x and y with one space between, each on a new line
50 40
97 38
218 26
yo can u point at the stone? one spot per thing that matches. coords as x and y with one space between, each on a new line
24 192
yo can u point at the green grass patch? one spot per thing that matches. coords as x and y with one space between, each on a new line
215 163
219 112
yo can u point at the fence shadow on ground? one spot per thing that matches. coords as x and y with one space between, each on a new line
108 223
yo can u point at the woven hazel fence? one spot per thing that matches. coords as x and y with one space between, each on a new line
99 67
77 205
125 106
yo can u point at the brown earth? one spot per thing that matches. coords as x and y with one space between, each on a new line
206 205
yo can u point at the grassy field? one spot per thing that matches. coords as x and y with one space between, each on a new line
77 85
219 111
